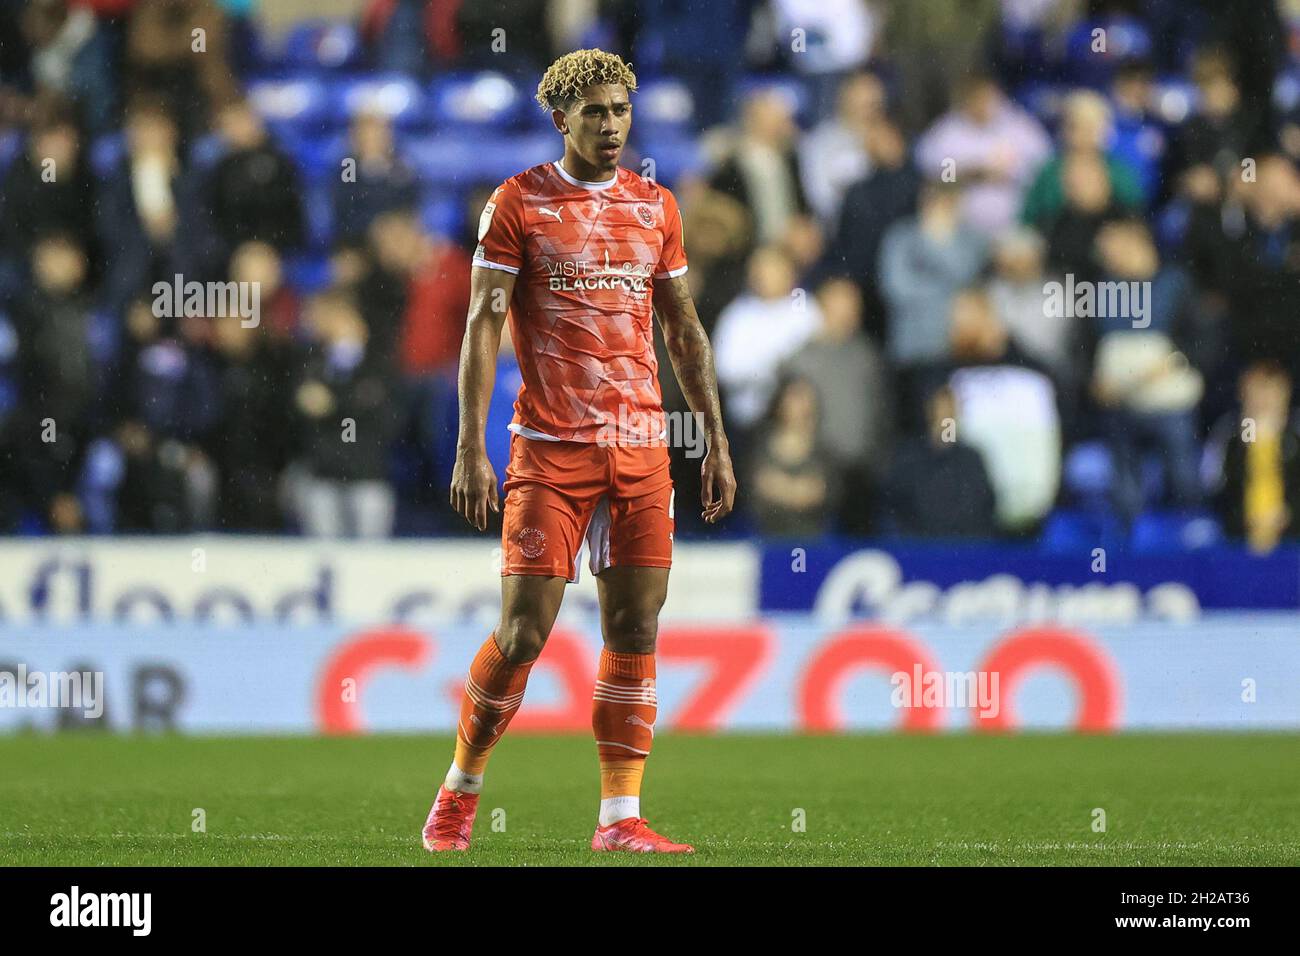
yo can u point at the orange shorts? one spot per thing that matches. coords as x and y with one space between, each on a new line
619 499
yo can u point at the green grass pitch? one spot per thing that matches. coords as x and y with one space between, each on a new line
863 799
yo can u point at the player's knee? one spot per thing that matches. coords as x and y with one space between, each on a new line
631 630
521 639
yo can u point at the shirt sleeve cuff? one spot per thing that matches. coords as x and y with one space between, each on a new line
489 264
671 275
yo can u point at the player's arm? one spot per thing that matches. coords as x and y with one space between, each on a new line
692 358
473 480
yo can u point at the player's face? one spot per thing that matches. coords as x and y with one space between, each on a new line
598 124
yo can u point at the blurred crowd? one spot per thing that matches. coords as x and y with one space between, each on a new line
893 207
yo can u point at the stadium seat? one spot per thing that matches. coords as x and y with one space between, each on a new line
465 161
665 106
318 208
106 153
673 156
1077 531
320 44
396 96
1086 473
791 87
1125 39
206 150
443 213
301 101
318 155
11 144
308 273
1174 531
476 100
1175 98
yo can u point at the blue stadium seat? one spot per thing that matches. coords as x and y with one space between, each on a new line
476 100
1174 531
396 96
318 208
301 101
106 154
1175 98
1125 39
443 213
319 156
1087 471
665 106
320 44
791 87
463 161
206 150
308 273
1077 531
11 144
673 156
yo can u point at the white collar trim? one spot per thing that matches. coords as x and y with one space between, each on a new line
559 168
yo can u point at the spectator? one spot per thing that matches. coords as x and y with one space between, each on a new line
870 207
341 404
1140 376
248 445
937 486
384 293
1252 245
253 191
1089 205
796 481
1017 291
722 237
1214 140
1086 132
924 261
161 57
48 190
152 475
140 209
69 58
1140 141
1007 407
762 328
1257 459
763 169
989 145
933 47
57 378
847 372
257 265
834 154
382 182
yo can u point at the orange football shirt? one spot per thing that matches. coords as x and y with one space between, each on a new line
587 256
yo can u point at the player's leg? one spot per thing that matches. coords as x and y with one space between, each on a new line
494 690
540 539
498 676
637 547
624 702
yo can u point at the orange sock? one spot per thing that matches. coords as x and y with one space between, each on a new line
494 690
624 705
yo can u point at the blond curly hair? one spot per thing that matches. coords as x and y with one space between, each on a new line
567 77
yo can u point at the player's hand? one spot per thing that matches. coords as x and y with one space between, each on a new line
718 487
474 487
